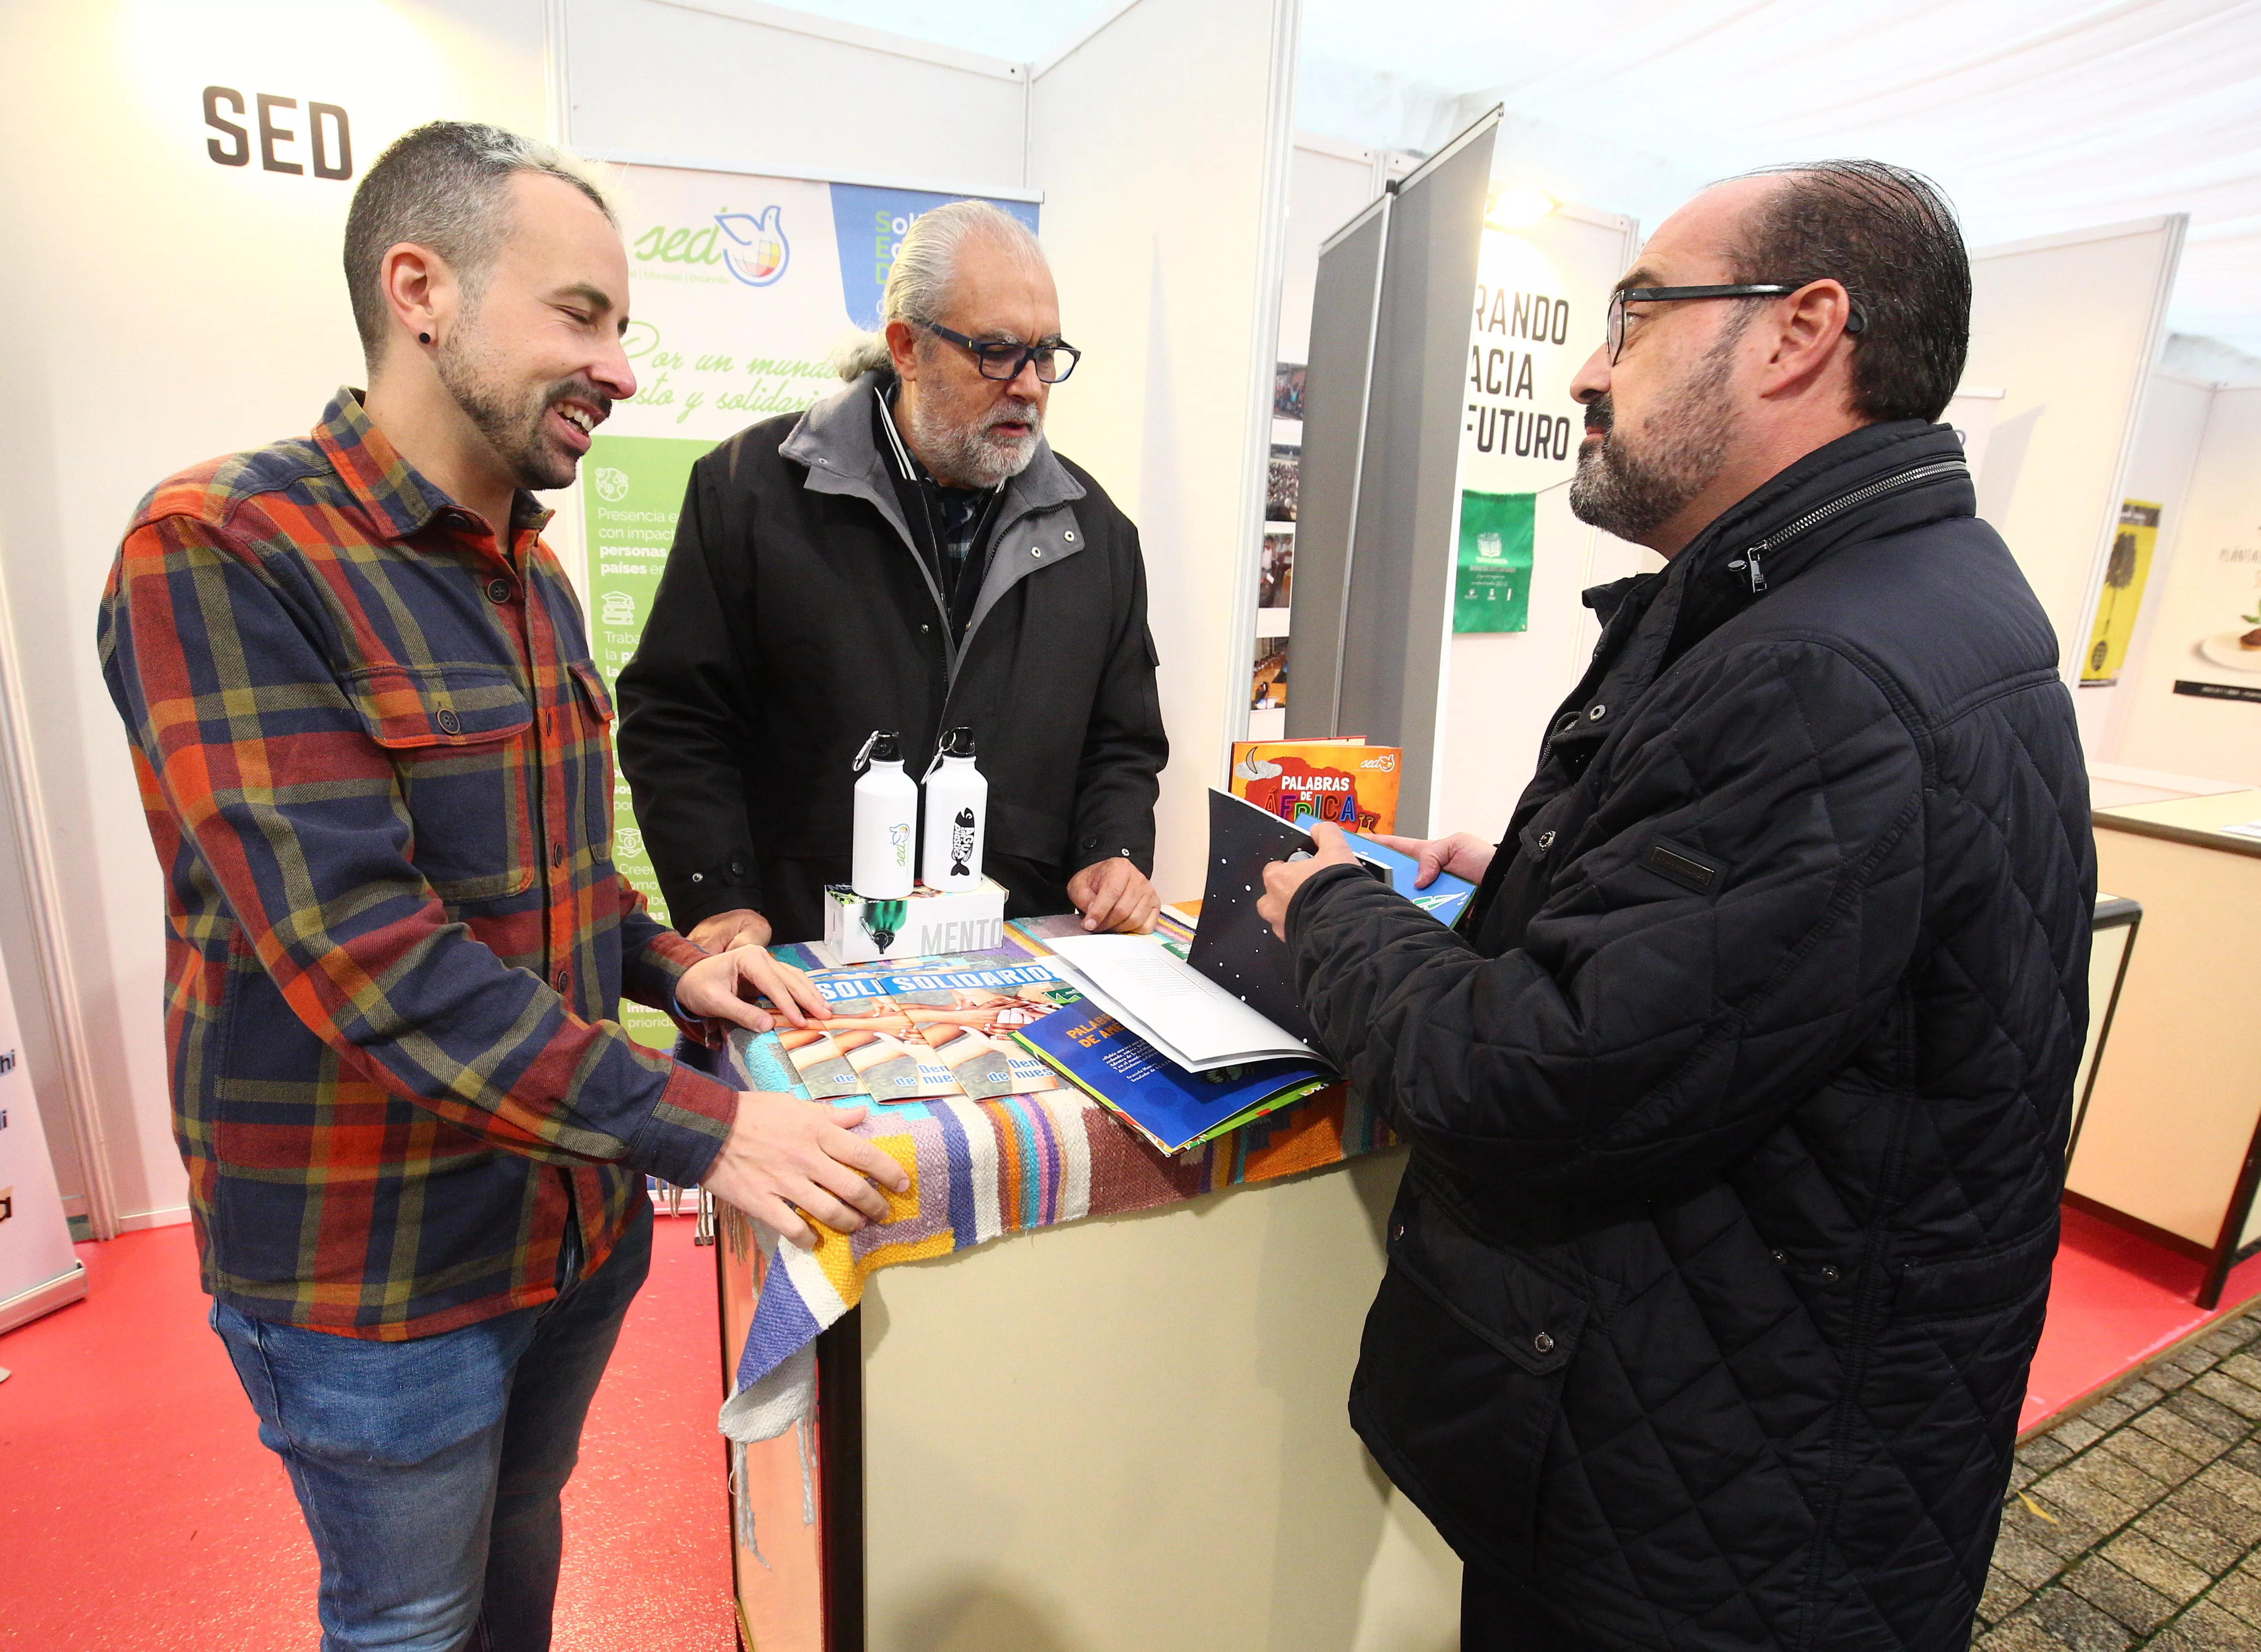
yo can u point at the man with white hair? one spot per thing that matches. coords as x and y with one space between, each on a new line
909 554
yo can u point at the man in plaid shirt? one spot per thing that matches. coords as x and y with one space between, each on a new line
377 762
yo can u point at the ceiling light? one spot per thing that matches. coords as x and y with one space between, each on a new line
1518 206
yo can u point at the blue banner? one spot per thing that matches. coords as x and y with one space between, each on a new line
870 225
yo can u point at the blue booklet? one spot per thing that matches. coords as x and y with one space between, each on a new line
1172 1108
1444 897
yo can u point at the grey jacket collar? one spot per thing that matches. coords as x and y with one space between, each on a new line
834 442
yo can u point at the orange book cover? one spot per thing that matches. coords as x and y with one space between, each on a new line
1353 785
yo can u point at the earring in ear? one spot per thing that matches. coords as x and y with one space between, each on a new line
423 338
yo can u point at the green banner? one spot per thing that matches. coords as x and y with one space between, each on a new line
1493 590
633 494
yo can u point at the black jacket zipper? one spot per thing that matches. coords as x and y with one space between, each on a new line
1929 472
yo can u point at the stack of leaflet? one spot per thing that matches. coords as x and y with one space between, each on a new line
925 1035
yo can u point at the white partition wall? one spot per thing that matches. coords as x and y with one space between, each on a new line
2169 434
2201 605
782 93
1160 142
178 296
2068 327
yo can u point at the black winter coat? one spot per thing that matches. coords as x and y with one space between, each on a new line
796 615
1739 1103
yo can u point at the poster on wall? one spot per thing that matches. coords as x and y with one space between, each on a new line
1492 586
2121 598
2223 660
740 288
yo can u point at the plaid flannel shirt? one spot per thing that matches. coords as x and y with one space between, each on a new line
376 760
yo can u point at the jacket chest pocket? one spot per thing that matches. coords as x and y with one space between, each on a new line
461 740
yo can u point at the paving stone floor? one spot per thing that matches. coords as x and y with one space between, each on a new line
2137 1522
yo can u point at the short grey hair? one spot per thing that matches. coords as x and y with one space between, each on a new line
924 276
446 185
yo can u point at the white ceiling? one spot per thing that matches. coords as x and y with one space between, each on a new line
2036 115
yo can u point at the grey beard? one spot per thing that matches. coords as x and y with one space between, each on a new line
1632 494
970 455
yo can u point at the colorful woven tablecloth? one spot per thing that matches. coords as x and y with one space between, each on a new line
979 1170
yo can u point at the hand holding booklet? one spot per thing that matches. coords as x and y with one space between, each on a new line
1179 1011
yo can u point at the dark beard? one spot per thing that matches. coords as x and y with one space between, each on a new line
512 422
1630 494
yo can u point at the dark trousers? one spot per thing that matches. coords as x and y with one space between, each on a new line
429 1470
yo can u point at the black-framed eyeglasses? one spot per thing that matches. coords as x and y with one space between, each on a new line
1004 361
1855 321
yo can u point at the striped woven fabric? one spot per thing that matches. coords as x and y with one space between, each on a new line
982 1169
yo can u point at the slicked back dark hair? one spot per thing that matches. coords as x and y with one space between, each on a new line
446 185
1890 237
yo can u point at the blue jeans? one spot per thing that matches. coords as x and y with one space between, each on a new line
429 1470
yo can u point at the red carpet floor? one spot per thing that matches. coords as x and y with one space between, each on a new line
139 1510
2116 1302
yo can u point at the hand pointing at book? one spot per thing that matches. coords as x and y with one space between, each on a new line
1283 877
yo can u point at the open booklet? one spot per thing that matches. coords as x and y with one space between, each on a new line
1178 1010
926 1035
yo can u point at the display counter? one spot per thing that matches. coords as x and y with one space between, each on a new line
2167 1141
1074 1394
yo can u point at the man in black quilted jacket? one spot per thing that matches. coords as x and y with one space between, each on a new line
1737 1098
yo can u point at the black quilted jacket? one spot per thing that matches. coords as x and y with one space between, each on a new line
1739 1100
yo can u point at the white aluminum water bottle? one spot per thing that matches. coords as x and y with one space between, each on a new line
957 816
886 815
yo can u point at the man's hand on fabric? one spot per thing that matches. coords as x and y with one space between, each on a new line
1114 897
1283 877
787 1159
741 926
1463 854
720 992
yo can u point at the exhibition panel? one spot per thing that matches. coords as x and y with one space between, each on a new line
1394 590
2062 437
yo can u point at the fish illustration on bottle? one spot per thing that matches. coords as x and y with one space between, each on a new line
961 843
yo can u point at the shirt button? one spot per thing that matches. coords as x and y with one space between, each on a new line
448 722
1036 550
698 877
564 979
1398 1233
1596 713
1829 1276
1069 536
556 854
1091 843
738 869
1780 1256
1546 842
1544 1343
497 590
